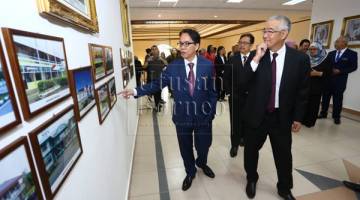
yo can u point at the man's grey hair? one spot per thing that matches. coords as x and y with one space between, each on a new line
285 22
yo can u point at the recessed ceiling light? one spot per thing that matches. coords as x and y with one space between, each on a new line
293 2
215 16
168 1
159 15
233 1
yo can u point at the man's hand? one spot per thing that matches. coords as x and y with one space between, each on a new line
296 126
127 93
336 71
260 52
316 73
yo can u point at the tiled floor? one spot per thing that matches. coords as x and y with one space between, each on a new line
319 150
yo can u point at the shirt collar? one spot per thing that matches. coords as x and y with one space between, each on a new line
247 55
343 50
280 51
193 61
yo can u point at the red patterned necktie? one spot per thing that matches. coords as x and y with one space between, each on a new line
271 104
191 79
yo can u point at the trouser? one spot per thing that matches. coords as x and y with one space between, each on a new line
312 110
236 105
337 96
157 98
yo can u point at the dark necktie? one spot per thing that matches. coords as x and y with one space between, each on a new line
244 57
191 79
271 104
337 56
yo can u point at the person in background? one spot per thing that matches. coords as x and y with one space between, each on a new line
202 52
138 71
148 54
173 55
343 61
194 106
304 45
236 85
320 70
234 51
210 53
291 44
162 55
220 61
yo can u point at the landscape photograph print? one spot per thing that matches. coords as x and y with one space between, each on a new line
103 102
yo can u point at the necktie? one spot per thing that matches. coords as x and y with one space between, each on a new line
191 79
337 56
244 57
271 104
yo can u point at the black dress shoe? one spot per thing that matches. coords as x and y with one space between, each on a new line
286 196
337 121
251 189
233 151
208 172
322 116
352 186
242 142
187 182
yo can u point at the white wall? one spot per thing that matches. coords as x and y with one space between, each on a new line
336 10
104 169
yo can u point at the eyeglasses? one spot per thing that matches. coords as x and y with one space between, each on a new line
244 43
185 44
269 31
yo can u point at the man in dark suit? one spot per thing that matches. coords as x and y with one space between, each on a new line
192 82
276 103
236 85
344 61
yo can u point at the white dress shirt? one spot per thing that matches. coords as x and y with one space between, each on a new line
280 60
242 57
341 53
222 58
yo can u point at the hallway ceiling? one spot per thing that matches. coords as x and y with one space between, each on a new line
153 20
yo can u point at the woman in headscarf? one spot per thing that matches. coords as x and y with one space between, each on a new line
321 69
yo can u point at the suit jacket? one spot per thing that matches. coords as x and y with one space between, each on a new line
293 94
347 63
187 109
236 79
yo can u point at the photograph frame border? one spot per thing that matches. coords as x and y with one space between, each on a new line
331 23
105 57
98 102
8 34
10 89
74 93
104 61
108 83
124 11
39 159
345 20
58 10
15 145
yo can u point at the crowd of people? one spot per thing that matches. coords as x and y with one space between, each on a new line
272 91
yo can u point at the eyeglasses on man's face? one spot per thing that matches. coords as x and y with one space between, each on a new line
243 43
270 31
185 44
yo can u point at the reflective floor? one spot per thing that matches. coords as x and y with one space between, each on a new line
323 156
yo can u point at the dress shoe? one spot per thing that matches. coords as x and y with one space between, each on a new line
251 189
233 151
352 186
322 116
208 172
242 142
337 121
187 182
286 196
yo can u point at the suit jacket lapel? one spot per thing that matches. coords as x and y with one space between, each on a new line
287 65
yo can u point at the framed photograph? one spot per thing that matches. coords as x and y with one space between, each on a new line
123 58
125 22
351 29
109 60
125 76
321 32
97 58
18 178
57 148
112 92
102 102
82 89
9 113
80 13
39 68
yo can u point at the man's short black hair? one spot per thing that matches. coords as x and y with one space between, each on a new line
195 36
148 50
303 41
250 36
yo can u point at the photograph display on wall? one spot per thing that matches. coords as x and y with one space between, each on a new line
125 22
123 59
9 113
351 30
112 92
130 61
109 60
321 32
39 69
102 102
57 148
97 61
18 178
82 88
80 13
125 76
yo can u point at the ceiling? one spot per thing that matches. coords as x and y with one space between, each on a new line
152 20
